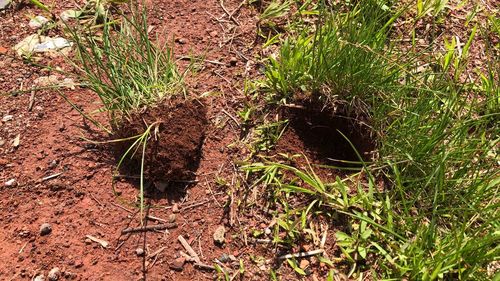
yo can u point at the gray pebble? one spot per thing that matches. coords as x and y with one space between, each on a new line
139 252
45 229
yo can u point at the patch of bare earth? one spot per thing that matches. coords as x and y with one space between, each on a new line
55 177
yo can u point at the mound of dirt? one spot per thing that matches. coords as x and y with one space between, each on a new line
173 150
320 134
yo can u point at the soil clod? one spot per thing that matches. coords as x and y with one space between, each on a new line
225 258
172 218
173 151
304 263
175 208
178 264
219 235
233 61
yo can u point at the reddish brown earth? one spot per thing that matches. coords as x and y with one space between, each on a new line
82 199
176 137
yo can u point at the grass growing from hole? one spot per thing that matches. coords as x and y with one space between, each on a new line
125 68
436 215
341 58
128 72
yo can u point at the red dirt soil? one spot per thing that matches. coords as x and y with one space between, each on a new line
80 201
173 149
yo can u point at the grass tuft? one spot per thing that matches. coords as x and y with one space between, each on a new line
124 67
436 213
129 73
340 57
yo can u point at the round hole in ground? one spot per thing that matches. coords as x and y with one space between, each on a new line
327 136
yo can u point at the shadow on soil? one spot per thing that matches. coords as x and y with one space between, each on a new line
173 151
327 136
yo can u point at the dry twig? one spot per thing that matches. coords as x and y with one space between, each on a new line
194 205
203 266
149 228
157 252
188 248
51 177
95 199
149 217
301 254
121 207
32 101
230 15
103 243
232 117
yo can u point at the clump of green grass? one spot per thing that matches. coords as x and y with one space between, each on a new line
129 73
442 156
436 216
341 57
125 68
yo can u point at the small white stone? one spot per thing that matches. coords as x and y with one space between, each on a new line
16 141
139 252
50 44
10 182
54 274
69 14
25 47
40 44
68 83
7 118
39 278
44 81
38 22
4 4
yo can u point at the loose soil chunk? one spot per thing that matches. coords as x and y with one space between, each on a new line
173 151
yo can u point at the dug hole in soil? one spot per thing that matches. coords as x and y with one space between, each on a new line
319 132
173 150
